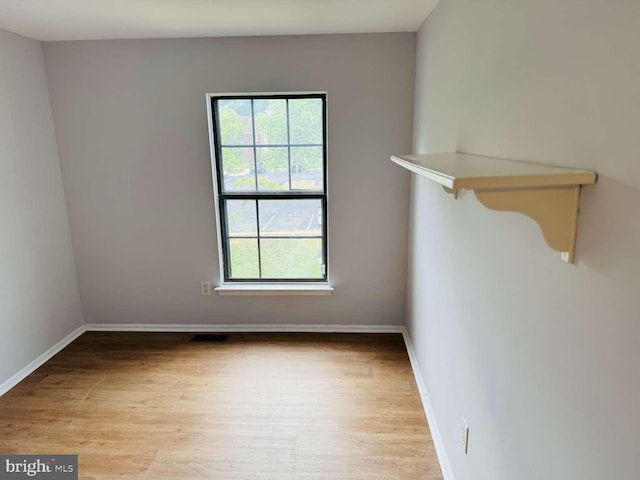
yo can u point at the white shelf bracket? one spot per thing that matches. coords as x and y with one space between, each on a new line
451 191
554 209
545 193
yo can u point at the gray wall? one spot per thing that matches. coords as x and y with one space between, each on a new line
132 132
39 299
540 357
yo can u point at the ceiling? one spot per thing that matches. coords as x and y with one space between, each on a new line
102 19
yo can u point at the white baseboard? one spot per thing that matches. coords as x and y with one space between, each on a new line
445 466
426 403
250 328
105 327
119 327
38 362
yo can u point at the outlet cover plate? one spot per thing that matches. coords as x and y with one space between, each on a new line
465 436
205 288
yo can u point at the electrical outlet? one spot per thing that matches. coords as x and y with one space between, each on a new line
205 288
465 436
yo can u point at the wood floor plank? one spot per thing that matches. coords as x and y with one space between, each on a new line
255 407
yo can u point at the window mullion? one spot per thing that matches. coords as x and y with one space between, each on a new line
258 239
272 196
255 150
288 146
255 172
276 145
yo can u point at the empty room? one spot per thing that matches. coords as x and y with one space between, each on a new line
346 240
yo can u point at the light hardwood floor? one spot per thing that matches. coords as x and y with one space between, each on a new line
257 407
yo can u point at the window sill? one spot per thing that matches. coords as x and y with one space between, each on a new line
275 289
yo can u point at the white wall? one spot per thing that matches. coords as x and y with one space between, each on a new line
39 299
132 133
540 357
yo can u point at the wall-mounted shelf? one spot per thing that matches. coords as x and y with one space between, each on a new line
549 195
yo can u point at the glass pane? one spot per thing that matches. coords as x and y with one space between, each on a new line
241 218
238 169
234 120
306 168
291 257
305 121
243 253
271 122
273 168
290 218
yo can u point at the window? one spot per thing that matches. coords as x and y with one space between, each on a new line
270 175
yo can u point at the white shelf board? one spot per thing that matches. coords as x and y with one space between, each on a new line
458 171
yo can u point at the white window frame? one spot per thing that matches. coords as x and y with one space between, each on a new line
259 287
